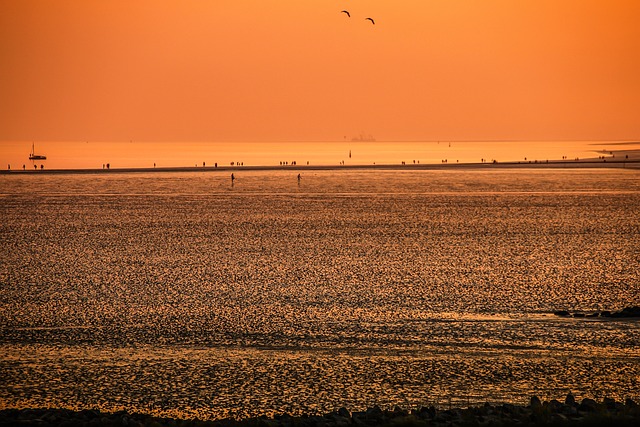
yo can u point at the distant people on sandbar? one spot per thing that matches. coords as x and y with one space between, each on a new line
8 167
216 164
108 165
41 167
24 167
203 164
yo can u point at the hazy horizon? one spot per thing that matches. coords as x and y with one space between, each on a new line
138 154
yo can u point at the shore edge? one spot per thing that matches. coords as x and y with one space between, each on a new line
556 164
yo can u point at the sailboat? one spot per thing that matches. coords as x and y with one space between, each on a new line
34 156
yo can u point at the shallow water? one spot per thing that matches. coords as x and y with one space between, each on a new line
96 155
182 294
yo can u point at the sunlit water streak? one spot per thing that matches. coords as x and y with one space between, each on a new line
182 294
96 155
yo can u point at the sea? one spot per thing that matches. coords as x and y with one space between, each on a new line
14 155
187 294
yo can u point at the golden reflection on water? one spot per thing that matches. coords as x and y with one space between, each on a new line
181 295
95 155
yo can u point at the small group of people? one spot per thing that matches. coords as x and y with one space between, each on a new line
24 167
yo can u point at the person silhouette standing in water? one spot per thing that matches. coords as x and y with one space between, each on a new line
233 178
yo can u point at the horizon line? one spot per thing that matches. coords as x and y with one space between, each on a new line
623 140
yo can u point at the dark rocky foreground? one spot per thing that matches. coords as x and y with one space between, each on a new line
588 412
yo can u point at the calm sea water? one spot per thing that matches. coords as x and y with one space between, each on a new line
93 155
181 294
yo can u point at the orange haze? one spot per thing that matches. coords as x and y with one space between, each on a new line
228 70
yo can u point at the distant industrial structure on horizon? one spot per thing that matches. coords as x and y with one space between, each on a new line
363 138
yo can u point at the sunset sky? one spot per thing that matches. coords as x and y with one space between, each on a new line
232 70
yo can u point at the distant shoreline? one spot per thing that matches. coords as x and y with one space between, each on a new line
555 164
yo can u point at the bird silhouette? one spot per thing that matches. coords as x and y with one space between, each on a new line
370 19
347 12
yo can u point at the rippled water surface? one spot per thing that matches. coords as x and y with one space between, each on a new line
182 294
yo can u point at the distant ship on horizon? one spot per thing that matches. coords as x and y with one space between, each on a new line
363 138
34 156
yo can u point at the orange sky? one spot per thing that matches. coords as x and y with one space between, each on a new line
226 70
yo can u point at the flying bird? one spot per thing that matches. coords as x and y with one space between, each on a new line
347 12
370 19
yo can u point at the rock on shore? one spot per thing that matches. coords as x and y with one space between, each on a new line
625 313
588 412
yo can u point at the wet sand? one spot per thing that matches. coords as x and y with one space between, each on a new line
343 294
